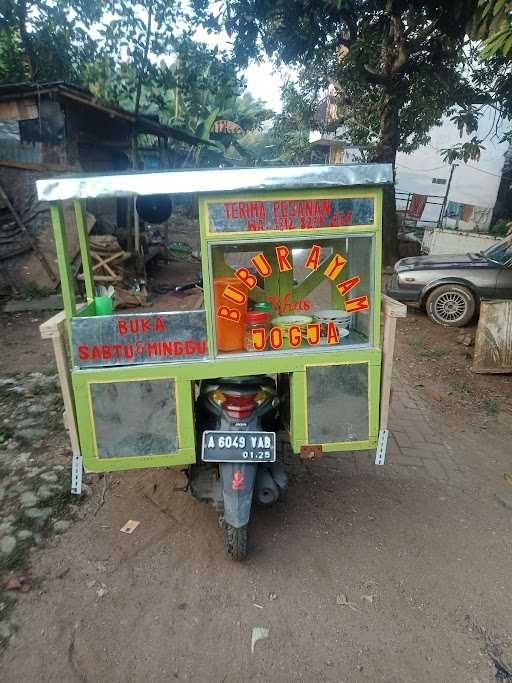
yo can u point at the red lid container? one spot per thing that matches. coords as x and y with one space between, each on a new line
256 317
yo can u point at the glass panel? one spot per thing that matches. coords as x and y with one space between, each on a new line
289 214
337 399
318 292
135 418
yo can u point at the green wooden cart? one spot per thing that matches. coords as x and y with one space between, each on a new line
306 241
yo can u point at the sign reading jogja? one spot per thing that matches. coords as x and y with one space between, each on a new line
261 338
104 341
289 214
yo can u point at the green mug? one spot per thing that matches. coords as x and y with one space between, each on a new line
103 305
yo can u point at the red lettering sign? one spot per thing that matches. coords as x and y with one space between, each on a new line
283 263
360 303
345 286
235 295
262 265
313 258
335 267
246 277
231 314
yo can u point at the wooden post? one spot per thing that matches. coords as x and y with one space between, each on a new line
53 329
392 310
136 228
83 238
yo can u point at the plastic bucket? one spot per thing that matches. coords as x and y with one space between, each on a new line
230 334
103 305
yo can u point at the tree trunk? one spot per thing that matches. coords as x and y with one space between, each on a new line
385 152
21 15
143 66
395 55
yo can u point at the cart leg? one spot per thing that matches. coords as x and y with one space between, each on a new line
392 310
382 444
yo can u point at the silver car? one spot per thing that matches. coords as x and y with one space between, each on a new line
451 287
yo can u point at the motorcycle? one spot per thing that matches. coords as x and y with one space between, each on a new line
238 419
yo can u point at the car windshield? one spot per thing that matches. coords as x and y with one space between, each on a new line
501 252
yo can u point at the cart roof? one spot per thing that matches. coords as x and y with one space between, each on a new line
214 180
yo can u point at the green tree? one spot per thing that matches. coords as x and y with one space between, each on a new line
138 34
46 40
397 66
289 135
248 113
194 86
492 23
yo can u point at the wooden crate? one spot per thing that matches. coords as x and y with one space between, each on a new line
493 343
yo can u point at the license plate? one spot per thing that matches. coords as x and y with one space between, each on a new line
239 447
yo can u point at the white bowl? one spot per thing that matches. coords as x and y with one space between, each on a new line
341 318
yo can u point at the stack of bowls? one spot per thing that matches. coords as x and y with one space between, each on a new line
341 319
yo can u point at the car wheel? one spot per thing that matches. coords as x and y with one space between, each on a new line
451 305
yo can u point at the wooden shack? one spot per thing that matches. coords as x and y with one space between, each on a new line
56 128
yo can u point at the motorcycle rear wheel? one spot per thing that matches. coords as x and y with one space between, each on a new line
235 542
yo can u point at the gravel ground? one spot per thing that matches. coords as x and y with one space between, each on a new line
34 480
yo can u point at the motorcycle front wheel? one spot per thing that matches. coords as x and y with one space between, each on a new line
235 542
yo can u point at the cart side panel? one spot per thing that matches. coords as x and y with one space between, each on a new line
133 420
342 404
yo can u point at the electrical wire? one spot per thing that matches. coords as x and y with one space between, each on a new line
422 170
474 168
497 175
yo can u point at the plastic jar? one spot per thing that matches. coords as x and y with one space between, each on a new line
255 320
230 334
264 307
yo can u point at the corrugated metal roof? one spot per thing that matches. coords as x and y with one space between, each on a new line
215 180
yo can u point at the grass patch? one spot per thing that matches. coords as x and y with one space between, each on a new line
428 352
8 602
491 406
33 291
425 351
55 422
7 395
460 386
18 557
62 499
416 342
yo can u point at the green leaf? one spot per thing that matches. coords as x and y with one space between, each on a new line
487 9
498 6
507 46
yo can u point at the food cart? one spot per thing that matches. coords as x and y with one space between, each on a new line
291 273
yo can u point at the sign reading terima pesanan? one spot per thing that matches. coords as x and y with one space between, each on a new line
290 214
138 339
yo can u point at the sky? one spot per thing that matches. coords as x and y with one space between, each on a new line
264 81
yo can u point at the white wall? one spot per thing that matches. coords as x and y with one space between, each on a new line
474 183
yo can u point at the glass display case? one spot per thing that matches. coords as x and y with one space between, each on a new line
318 291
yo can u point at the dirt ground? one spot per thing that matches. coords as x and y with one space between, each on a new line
361 574
440 367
